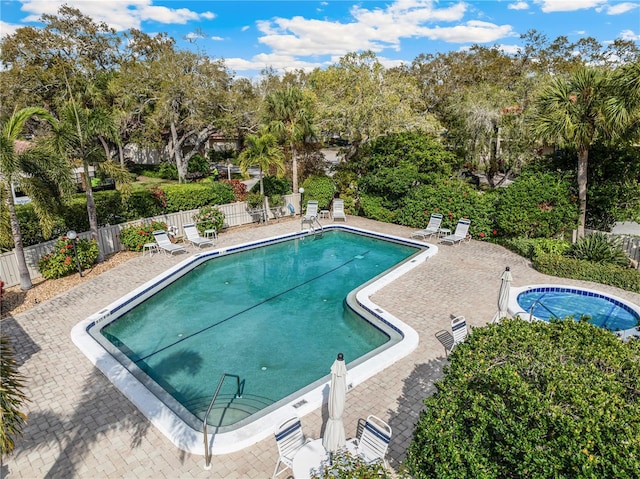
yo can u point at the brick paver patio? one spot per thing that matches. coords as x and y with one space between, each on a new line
80 426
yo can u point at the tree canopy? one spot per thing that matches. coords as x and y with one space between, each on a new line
535 400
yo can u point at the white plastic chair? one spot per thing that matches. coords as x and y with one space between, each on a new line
194 237
337 212
289 439
458 330
311 214
165 244
460 234
374 441
432 227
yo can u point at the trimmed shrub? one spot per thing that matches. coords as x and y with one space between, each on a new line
372 207
133 237
536 205
530 247
209 218
455 199
604 273
62 262
320 189
536 400
193 196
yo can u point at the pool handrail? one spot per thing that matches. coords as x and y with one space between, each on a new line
553 315
238 394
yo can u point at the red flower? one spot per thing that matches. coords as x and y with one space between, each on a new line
69 246
481 235
495 232
67 261
63 250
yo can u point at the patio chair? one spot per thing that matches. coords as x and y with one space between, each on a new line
311 215
337 212
165 244
431 229
194 238
460 234
373 442
289 439
459 330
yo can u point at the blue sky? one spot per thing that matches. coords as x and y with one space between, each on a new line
251 35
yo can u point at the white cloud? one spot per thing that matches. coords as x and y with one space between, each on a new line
620 8
510 49
120 14
518 6
376 29
629 35
568 5
8 28
217 39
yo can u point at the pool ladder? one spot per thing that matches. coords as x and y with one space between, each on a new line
315 230
238 394
553 315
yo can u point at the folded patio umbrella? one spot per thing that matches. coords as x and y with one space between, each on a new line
334 438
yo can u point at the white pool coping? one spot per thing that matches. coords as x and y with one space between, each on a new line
171 425
515 309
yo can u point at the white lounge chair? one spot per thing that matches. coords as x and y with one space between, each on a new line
458 330
460 234
165 244
337 212
193 236
374 441
311 214
289 439
431 229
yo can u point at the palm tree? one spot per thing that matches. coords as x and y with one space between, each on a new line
575 112
44 176
262 151
288 113
11 397
81 136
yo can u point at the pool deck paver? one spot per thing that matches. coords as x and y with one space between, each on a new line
81 426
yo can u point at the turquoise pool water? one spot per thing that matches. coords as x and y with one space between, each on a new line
274 315
605 312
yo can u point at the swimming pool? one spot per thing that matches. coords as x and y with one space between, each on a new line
377 341
547 301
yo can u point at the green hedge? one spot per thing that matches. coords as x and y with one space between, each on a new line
533 400
557 265
111 210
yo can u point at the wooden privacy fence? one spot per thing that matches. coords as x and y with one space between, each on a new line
236 214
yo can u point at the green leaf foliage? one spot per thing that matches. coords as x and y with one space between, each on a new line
534 400
209 218
134 237
604 273
62 262
320 189
12 397
536 204
345 465
598 247
454 199
273 186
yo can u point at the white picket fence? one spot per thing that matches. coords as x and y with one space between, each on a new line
236 214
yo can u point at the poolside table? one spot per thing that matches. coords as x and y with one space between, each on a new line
311 458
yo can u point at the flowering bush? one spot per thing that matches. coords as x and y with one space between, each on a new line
61 261
134 237
209 218
348 466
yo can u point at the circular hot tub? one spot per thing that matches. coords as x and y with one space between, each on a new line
548 301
